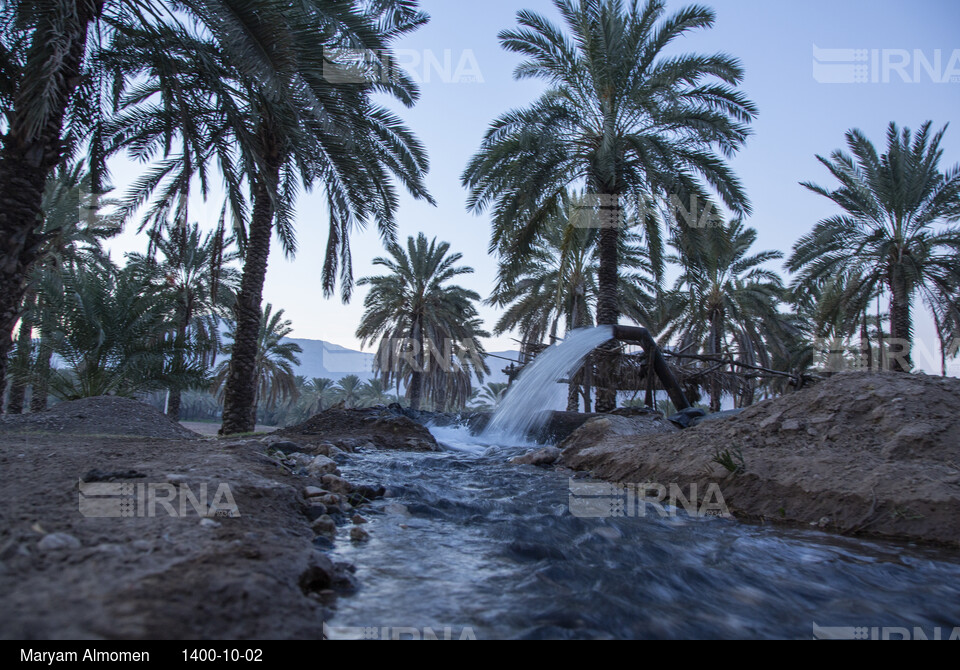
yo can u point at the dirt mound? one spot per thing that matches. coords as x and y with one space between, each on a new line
106 415
349 429
74 566
858 453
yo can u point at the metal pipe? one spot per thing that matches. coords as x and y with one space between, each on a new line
643 337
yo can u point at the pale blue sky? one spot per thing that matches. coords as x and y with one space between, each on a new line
799 117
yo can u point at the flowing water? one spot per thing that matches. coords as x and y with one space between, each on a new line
470 546
522 412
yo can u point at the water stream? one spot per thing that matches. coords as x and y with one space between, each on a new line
470 546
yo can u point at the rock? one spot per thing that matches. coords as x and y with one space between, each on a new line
365 428
315 510
358 534
790 425
688 417
321 465
323 543
300 459
771 420
331 500
314 492
415 444
604 434
324 525
236 444
358 520
540 457
336 484
319 575
286 447
56 541
363 493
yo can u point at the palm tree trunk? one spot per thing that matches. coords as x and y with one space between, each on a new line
716 345
240 392
41 369
941 340
416 375
31 152
900 324
608 312
881 353
573 396
18 382
865 345
174 394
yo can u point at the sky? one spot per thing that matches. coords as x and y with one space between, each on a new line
806 92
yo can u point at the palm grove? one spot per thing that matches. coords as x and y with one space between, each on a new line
598 190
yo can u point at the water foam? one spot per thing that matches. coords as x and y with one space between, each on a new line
523 411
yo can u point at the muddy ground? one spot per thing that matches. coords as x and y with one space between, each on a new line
859 454
262 574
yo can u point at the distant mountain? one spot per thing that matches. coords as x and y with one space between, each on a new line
323 359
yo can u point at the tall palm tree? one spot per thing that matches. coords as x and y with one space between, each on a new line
895 231
195 269
274 372
725 302
418 316
622 118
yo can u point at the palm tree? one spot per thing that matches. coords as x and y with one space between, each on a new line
374 392
290 126
894 232
115 336
274 365
194 269
490 396
622 118
68 241
417 316
322 391
725 302
349 391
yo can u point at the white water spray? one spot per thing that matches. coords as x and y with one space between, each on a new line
523 409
